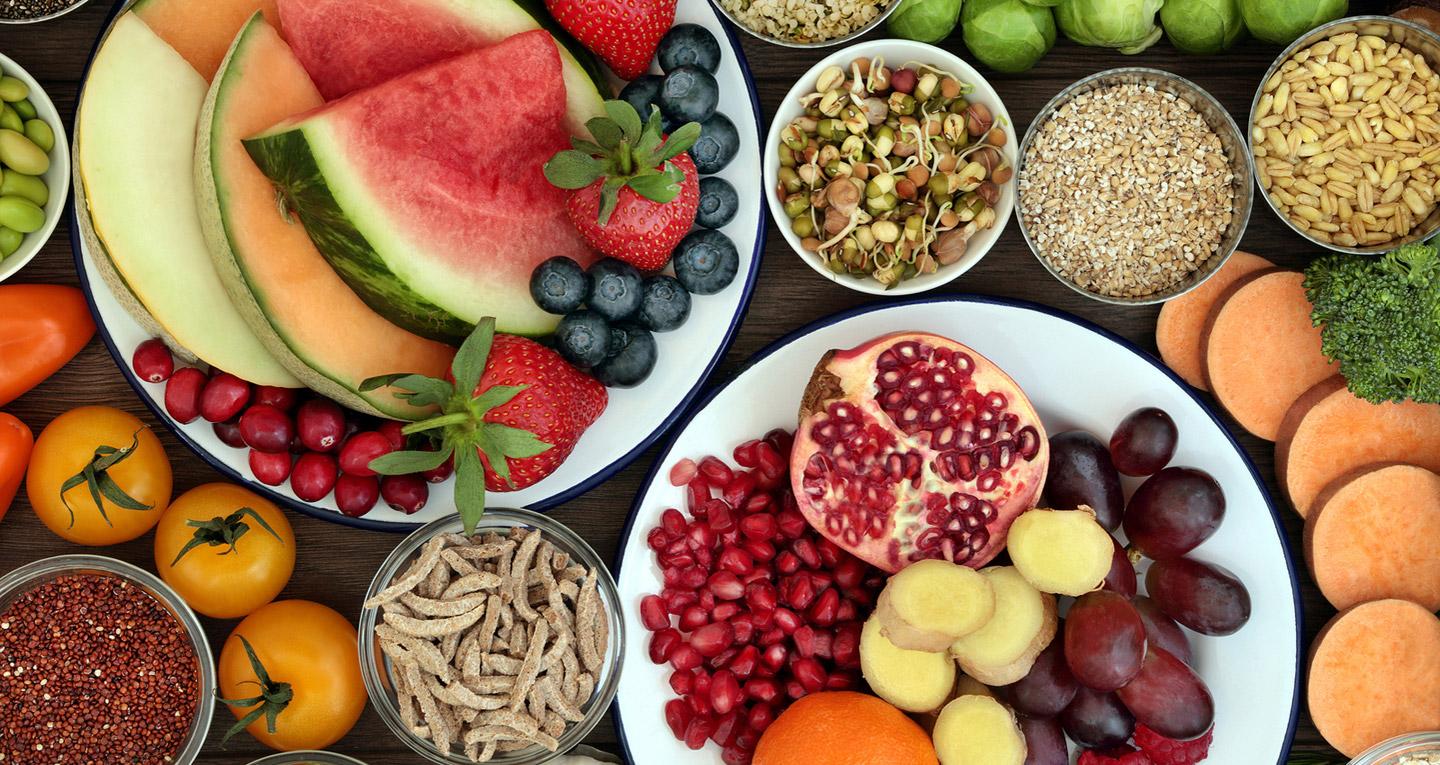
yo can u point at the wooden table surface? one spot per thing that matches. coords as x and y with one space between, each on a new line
336 563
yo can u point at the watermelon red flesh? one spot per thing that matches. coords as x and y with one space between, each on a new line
427 193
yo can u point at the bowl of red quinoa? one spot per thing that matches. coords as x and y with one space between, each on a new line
102 662
34 11
1421 748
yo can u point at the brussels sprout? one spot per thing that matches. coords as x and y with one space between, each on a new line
1128 25
1007 35
928 21
1281 21
1202 26
1045 3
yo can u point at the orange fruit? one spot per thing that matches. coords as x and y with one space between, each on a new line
844 728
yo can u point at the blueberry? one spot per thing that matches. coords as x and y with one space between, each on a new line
706 261
666 304
584 338
689 44
688 94
716 146
559 285
718 203
614 289
633 363
641 93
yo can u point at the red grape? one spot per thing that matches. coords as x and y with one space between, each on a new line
1173 512
1144 442
1169 698
1121 578
1097 720
1044 741
1202 596
1081 473
1047 690
1160 630
1104 640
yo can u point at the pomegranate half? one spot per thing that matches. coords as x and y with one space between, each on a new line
913 446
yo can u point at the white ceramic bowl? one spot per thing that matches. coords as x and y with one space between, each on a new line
57 179
895 53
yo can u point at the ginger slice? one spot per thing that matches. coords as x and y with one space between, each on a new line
914 681
1065 552
933 603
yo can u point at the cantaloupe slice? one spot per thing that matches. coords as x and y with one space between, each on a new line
1181 327
294 301
135 133
1329 432
201 32
1262 351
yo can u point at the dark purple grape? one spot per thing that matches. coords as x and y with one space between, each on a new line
1047 690
1081 474
1173 512
1160 630
1044 741
1169 698
1121 578
1104 640
1097 720
1202 596
1144 442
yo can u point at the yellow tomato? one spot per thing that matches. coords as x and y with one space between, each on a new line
98 452
225 549
305 670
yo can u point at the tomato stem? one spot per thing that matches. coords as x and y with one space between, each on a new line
272 700
96 477
223 531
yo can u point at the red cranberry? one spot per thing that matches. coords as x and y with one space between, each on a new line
283 399
320 424
182 394
313 477
223 397
229 434
390 429
266 429
405 493
152 361
356 495
440 474
270 468
360 450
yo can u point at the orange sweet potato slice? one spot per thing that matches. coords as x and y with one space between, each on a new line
1375 534
1262 351
1180 331
1375 674
1328 433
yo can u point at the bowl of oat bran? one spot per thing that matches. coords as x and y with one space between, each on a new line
1409 749
1133 186
806 23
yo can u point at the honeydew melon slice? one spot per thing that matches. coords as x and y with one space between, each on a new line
300 309
135 138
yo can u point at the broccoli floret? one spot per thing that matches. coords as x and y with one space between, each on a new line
1380 318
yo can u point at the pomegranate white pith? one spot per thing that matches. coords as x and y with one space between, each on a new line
913 446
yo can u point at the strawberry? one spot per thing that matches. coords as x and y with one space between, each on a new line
634 191
623 33
510 411
1164 751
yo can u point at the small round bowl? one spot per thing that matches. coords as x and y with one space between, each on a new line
26 577
57 178
895 52
307 758
1390 752
1408 34
1215 117
375 667
74 6
827 43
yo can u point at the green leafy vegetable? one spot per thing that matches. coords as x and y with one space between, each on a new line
1202 27
1007 35
1281 21
1380 318
928 21
1127 25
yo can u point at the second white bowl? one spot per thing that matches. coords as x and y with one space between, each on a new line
57 178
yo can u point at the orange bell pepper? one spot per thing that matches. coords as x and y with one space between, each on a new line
16 441
42 327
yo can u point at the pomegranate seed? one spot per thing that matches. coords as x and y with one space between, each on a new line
726 586
704 558
845 647
760 526
810 674
321 425
652 613
764 620
839 683
679 562
795 690
722 518
673 522
693 578
391 430
846 611
781 440
762 689
663 644
698 732
800 592
724 612
739 489
760 717
685 658
678 717
821 579
360 450
682 472
707 599
772 636
283 399
787 621
223 397
712 639
356 495
769 462
677 601
728 727
787 563
744 454
697 493
735 560
699 700
823 611
725 692
760 597
682 682
701 537
229 434
830 553
745 662
717 473
152 361
792 524
803 548
849 573
760 550
405 493
182 394
313 477
266 429
694 618
269 468
657 539
735 754
744 627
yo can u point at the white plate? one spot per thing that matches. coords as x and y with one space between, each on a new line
1078 376
634 419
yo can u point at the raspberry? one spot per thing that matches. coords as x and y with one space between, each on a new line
1121 755
1164 751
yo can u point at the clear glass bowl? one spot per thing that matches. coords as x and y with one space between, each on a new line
29 576
375 667
1390 752
307 758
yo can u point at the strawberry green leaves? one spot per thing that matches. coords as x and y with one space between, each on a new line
625 153
461 427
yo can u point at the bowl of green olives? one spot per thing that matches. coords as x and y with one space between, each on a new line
34 167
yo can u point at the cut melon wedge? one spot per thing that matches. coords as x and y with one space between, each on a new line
295 303
201 37
135 133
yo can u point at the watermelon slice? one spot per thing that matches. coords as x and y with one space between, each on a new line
306 316
427 193
350 45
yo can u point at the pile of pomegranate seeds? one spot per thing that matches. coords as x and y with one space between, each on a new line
293 435
758 609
